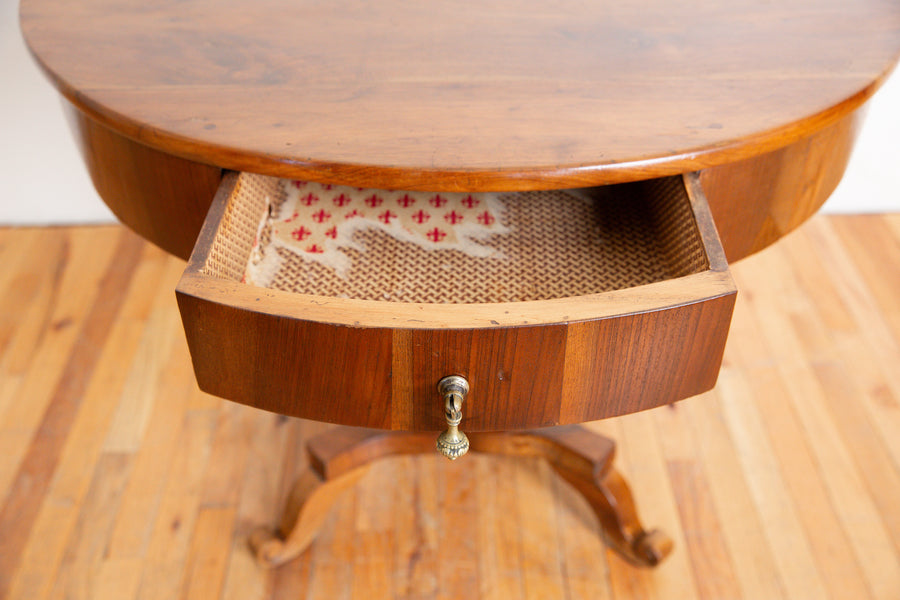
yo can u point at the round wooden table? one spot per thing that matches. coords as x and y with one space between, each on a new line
760 100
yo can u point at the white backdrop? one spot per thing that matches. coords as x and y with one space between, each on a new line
46 183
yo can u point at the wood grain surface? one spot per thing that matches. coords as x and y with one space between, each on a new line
757 201
159 196
340 457
446 96
530 364
120 480
754 201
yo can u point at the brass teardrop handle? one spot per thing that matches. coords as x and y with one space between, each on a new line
453 443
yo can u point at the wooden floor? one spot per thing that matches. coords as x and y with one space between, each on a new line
119 479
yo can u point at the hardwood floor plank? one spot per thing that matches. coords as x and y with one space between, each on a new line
28 258
80 257
81 438
331 569
892 220
829 543
498 530
373 544
416 532
846 341
875 552
625 581
32 369
539 543
31 300
266 436
167 552
742 525
141 389
38 467
457 562
221 485
36 568
641 460
291 581
782 528
69 268
878 471
208 553
709 558
201 401
76 578
841 392
711 563
119 479
874 249
874 340
585 569
13 447
153 460
117 579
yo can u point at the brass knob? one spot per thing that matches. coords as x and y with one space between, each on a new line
453 443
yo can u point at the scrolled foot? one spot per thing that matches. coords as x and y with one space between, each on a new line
268 548
611 499
584 459
307 507
652 547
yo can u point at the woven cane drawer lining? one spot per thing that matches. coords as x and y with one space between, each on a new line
543 245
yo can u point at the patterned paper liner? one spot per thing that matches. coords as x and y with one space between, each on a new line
320 223
527 246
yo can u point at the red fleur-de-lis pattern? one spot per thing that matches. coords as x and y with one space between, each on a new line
486 218
436 235
301 233
454 217
470 201
315 221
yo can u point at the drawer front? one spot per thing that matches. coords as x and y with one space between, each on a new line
529 364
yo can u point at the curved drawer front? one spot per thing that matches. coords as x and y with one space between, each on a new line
348 305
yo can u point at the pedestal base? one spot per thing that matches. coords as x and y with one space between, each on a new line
339 458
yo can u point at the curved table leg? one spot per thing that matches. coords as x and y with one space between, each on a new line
613 504
309 503
338 458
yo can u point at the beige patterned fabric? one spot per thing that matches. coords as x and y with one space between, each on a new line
320 224
540 245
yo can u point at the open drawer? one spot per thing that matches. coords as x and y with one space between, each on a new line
348 306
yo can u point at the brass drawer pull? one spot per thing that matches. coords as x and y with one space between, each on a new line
453 443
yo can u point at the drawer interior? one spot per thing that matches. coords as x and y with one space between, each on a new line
557 307
342 242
